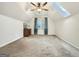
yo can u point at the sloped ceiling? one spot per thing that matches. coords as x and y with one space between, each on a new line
20 10
12 9
72 7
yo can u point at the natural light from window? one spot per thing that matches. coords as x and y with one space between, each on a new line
59 8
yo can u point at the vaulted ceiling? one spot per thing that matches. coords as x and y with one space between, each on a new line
20 10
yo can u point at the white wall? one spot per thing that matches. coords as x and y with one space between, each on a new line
10 30
68 30
51 27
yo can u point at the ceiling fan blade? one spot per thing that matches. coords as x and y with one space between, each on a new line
33 9
45 9
39 4
33 4
44 4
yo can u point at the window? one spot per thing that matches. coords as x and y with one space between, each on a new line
59 8
40 24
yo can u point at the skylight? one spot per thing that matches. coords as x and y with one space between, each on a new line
59 8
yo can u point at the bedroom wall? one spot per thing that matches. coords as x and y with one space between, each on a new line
68 30
10 30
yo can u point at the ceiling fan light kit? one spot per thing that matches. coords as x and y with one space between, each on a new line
39 6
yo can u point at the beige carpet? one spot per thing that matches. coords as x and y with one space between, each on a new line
39 46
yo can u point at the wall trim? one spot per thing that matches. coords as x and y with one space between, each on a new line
68 43
9 42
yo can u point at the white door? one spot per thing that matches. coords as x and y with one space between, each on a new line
40 32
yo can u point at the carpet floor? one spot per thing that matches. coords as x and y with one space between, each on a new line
39 46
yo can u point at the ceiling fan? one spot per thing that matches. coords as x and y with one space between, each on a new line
39 6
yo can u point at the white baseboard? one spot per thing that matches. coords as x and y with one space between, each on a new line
8 42
68 42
